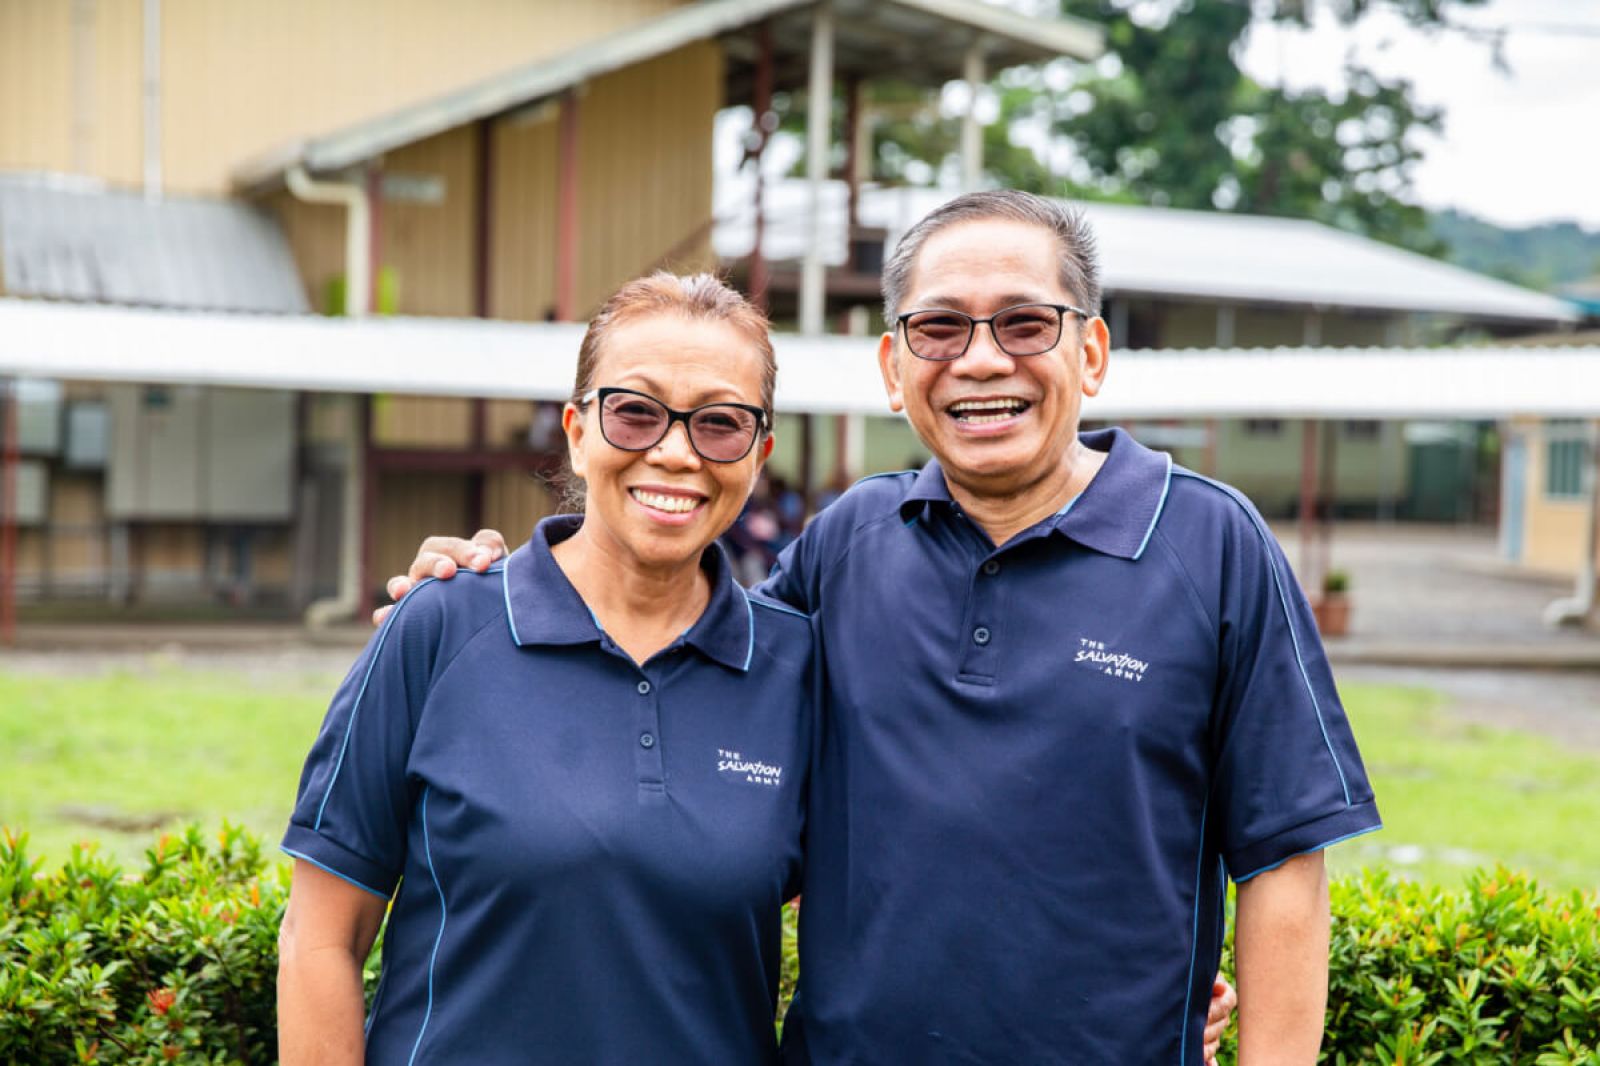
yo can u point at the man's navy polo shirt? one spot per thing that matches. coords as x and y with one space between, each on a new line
1041 763
591 854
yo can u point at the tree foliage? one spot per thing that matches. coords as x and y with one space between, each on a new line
1170 118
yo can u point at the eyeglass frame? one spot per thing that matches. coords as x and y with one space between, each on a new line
675 416
972 329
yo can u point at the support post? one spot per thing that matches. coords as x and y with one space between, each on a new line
8 519
761 115
972 72
1309 578
567 210
819 114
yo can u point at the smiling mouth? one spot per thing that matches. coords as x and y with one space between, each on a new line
983 412
671 503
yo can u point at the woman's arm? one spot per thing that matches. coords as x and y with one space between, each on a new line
327 932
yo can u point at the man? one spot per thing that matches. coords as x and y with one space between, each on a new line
1072 690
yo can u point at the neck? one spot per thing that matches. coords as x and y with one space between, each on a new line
1004 514
642 608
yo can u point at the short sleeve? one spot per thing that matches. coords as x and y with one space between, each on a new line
353 807
1289 777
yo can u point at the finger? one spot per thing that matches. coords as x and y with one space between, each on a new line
431 564
1211 1054
491 546
381 613
1214 1030
397 587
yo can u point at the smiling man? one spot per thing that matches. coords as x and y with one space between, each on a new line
1072 690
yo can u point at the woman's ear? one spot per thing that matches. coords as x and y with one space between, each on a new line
572 426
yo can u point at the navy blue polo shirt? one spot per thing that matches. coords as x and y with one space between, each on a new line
591 854
1041 762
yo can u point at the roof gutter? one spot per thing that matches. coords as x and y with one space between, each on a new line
352 196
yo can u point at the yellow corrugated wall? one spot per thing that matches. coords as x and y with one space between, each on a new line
244 77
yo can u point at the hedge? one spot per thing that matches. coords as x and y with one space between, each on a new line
176 963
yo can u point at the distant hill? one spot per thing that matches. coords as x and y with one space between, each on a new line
1539 257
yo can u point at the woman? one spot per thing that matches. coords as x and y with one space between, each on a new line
584 768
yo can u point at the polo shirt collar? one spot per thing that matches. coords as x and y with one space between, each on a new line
1115 515
542 607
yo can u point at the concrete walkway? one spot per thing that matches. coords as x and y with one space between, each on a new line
1440 596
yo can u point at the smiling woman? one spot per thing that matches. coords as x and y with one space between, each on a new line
539 755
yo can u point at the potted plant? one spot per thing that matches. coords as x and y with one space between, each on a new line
1332 607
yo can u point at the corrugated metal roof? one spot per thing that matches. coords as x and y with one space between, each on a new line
472 357
919 39
69 239
1156 251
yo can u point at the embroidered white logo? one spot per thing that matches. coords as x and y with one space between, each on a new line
735 767
1111 663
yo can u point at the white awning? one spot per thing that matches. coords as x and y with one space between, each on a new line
471 357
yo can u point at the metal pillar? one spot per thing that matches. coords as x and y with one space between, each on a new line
972 72
819 115
762 122
1309 579
567 210
8 519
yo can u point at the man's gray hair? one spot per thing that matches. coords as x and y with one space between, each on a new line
1080 267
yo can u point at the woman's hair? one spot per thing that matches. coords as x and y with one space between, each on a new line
701 297
698 297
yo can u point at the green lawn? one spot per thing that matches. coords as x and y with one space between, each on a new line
80 756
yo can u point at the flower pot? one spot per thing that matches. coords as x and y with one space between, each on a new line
1332 612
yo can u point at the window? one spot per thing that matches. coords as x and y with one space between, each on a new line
1566 442
1361 429
1263 427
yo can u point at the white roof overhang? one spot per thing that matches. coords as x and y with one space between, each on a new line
923 40
825 375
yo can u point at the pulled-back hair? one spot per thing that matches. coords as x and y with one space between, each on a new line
1079 261
702 297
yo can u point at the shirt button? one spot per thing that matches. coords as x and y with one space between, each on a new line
647 740
980 635
992 567
644 690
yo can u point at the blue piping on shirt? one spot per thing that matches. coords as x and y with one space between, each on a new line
505 586
1194 935
383 635
427 849
750 617
1288 618
324 867
1308 851
1166 484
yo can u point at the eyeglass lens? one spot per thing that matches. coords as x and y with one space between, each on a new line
722 433
1030 329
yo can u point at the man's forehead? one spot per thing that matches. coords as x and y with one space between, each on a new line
991 262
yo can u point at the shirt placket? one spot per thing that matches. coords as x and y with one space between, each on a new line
980 631
647 737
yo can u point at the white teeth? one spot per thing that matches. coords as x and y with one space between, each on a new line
996 410
662 502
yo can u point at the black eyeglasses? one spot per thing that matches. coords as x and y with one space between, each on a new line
940 334
637 422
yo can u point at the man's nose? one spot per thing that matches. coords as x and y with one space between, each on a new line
983 357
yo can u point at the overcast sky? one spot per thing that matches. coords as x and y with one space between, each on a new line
1518 148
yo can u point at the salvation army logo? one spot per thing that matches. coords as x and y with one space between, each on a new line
732 766
1112 663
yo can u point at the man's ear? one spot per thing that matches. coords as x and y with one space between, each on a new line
890 367
572 426
1096 354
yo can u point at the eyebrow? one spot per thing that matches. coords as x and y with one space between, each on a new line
961 303
641 381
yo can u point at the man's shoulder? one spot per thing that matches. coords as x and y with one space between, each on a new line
872 497
1198 498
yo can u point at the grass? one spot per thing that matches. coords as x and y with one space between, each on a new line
1455 795
81 756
